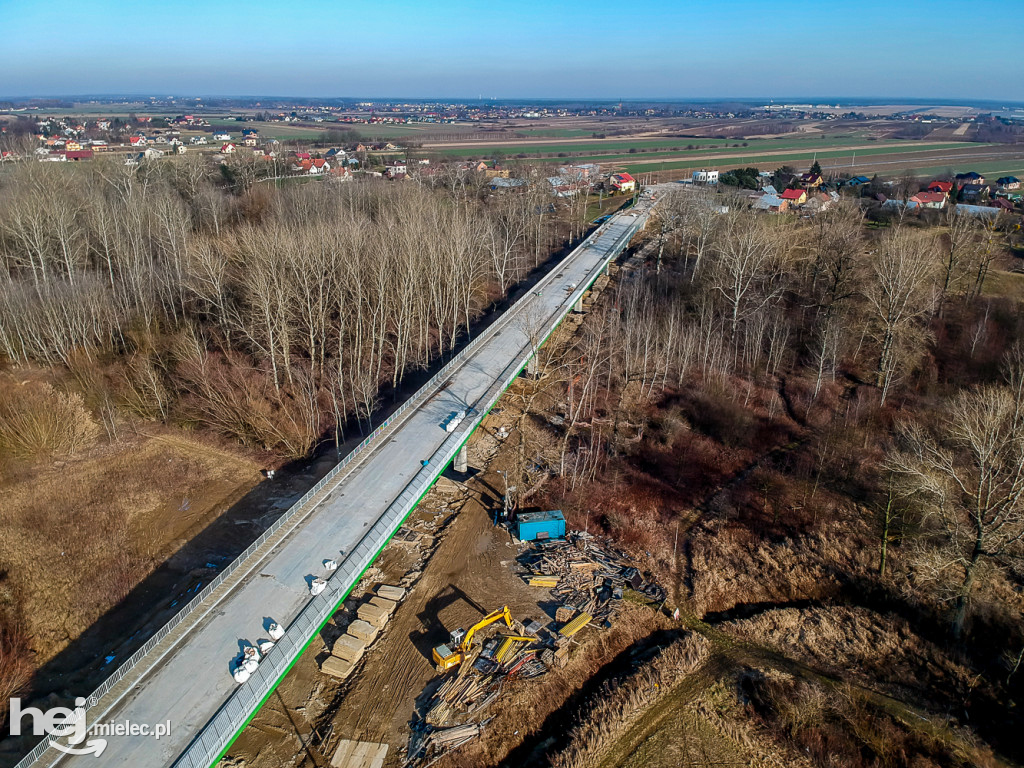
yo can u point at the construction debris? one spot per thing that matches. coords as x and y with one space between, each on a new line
585 575
359 754
452 717
575 625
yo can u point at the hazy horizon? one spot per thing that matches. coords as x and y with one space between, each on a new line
597 51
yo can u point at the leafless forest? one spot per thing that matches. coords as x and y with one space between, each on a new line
271 318
783 414
270 315
786 413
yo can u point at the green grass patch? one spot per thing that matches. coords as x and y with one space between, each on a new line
613 148
1005 284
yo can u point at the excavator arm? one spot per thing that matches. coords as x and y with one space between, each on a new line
501 614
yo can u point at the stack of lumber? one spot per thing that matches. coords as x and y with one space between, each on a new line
359 754
363 630
336 667
585 574
349 648
373 614
389 592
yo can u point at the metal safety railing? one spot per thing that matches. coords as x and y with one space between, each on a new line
233 715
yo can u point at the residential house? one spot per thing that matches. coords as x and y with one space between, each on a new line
705 176
622 182
810 181
197 140
928 199
582 170
768 189
152 153
970 177
181 149
1008 182
227 149
974 192
818 202
249 141
858 181
1002 204
394 169
795 196
496 171
499 184
560 186
74 155
773 203
72 146
311 167
222 137
945 187
137 141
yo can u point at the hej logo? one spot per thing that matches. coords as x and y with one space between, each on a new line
60 722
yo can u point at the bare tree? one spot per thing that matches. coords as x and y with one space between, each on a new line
967 472
900 291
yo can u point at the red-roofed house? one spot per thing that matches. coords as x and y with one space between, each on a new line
227 149
795 196
941 186
930 199
311 167
78 154
302 156
623 182
137 141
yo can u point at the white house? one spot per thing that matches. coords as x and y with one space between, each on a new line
705 176
197 140
222 137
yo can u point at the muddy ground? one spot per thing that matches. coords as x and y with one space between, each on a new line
460 570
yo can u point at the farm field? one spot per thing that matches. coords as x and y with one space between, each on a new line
935 159
621 147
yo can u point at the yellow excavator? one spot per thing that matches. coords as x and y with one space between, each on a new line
454 652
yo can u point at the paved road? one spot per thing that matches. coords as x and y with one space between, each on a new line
194 681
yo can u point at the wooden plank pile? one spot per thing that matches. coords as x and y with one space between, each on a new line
359 754
426 747
585 575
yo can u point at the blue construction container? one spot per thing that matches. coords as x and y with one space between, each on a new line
535 526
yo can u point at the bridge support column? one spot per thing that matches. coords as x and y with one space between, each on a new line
579 305
461 463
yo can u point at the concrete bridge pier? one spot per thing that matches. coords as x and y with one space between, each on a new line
461 463
579 305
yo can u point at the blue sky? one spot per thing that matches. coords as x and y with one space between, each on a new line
519 49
